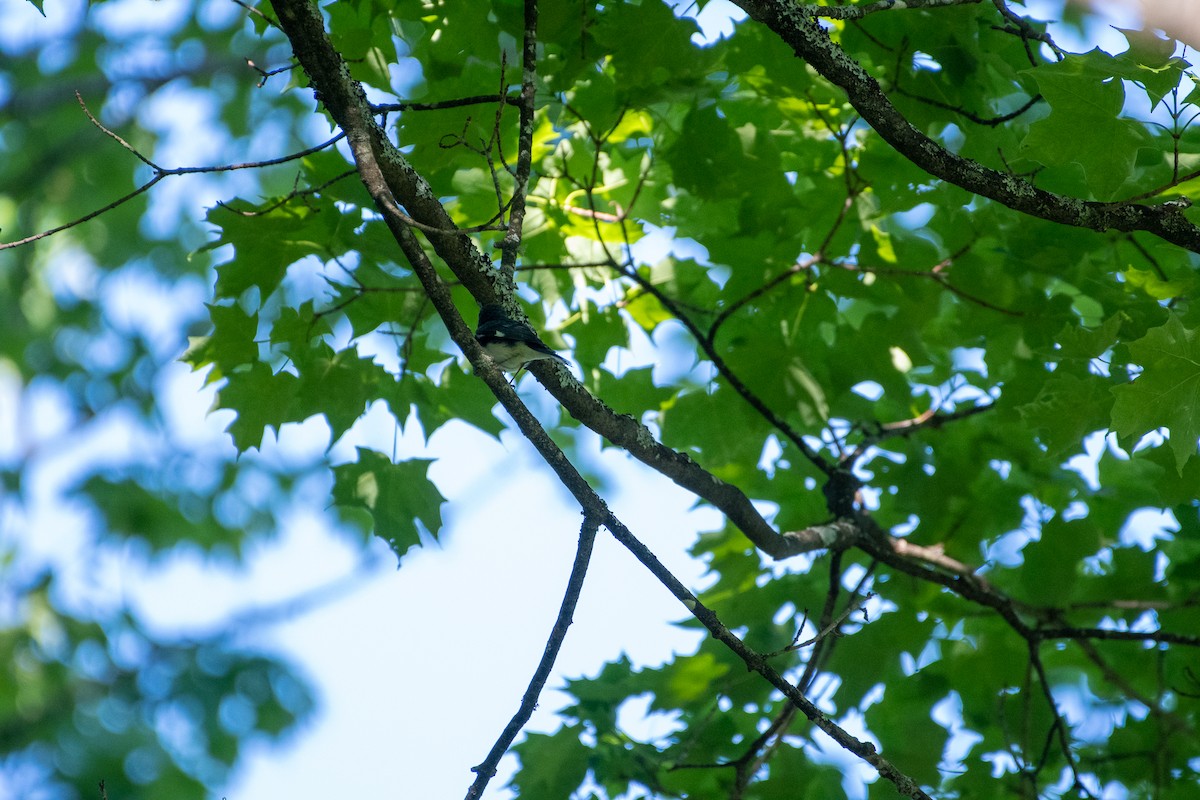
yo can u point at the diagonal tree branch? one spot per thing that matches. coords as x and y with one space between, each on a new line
583 556
1058 728
706 344
120 201
801 31
756 662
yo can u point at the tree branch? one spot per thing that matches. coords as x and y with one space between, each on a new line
1169 718
511 243
438 105
865 9
706 344
799 29
120 201
583 556
757 663
159 174
1058 728
1161 637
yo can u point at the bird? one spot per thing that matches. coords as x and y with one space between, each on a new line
511 344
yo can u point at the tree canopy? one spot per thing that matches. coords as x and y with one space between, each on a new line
923 337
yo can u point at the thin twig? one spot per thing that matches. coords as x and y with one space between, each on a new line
1058 728
89 216
88 113
583 556
937 274
1023 28
159 174
1125 685
969 115
724 370
762 748
270 162
267 17
828 628
1136 605
511 243
602 216
795 269
931 419
439 105
1161 637
287 198
265 74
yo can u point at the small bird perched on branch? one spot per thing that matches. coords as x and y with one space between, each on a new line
511 344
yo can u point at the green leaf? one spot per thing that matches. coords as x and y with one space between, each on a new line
232 343
457 396
1078 342
1167 392
552 766
261 399
364 39
1052 563
1171 485
339 385
397 496
295 328
1153 284
1067 409
605 329
1084 96
651 52
265 245
634 389
1150 61
707 156
904 725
